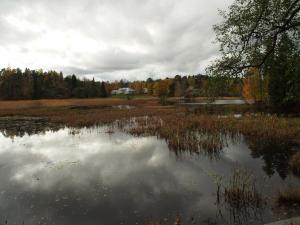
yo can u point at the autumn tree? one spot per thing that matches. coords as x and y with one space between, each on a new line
178 86
161 90
150 86
138 86
254 88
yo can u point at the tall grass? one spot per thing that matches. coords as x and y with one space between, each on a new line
295 163
209 133
241 190
199 133
180 136
238 197
289 197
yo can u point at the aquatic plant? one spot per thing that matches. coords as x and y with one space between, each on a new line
208 134
198 133
218 179
295 163
179 136
289 197
177 222
237 197
241 190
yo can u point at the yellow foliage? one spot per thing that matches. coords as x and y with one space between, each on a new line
161 87
254 87
138 86
150 86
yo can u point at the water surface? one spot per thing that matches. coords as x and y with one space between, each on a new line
219 102
91 176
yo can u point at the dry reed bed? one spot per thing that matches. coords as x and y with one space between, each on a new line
295 163
177 132
48 103
241 191
79 112
289 197
196 133
181 130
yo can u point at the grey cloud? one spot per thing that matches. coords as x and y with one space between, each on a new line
110 39
13 36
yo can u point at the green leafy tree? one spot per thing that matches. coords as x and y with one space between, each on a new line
283 68
103 92
251 31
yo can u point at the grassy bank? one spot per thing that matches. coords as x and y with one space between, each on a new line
80 112
170 122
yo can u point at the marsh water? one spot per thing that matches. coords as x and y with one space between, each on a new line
219 102
95 176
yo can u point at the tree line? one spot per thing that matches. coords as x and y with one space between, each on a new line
16 84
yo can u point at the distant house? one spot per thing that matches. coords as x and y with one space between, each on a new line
113 92
145 90
125 91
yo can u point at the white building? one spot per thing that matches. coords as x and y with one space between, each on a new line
125 91
145 90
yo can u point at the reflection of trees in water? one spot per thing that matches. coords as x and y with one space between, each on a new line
20 126
275 153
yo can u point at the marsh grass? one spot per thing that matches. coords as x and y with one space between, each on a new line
238 198
209 134
178 221
198 133
19 126
295 163
241 190
289 197
179 136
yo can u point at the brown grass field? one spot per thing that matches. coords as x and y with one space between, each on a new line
82 112
88 112
49 103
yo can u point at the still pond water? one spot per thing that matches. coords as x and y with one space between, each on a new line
90 176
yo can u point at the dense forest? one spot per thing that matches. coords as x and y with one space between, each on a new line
16 84
36 84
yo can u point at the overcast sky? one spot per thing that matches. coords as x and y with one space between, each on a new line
110 39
